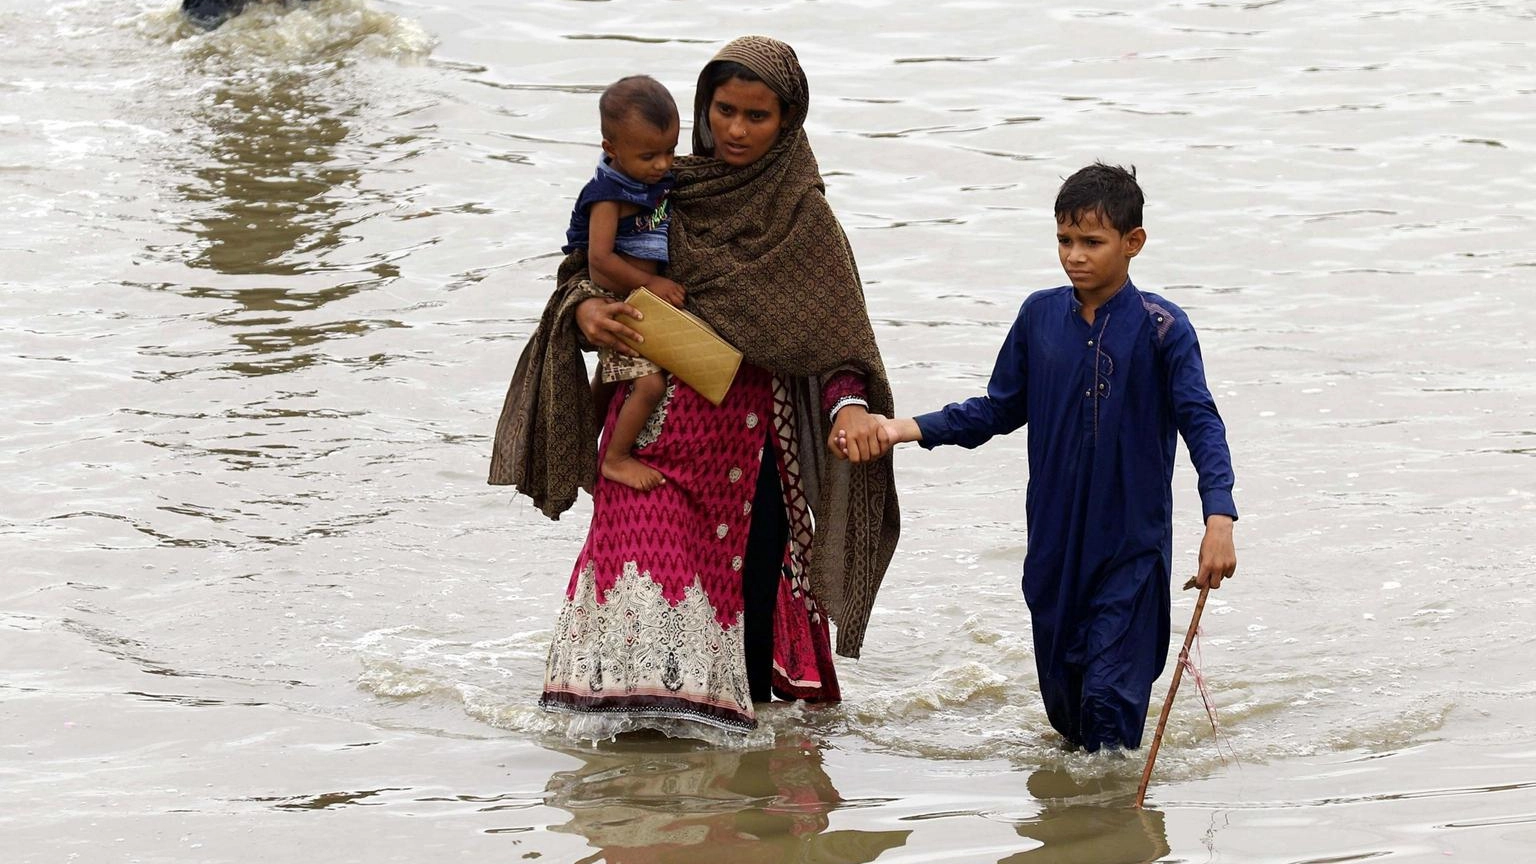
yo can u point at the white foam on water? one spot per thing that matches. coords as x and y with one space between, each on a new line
277 33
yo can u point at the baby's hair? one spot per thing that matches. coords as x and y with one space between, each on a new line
636 94
1109 190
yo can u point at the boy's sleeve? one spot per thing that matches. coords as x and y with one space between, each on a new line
1005 407
1194 411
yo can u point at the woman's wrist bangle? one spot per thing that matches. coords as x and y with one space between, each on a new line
844 403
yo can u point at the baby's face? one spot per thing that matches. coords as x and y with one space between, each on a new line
640 150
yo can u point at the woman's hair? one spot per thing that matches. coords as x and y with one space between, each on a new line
724 70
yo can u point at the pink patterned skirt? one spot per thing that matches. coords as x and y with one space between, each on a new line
650 634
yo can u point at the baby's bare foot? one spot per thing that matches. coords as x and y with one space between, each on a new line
632 473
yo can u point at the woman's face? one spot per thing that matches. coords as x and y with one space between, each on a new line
745 119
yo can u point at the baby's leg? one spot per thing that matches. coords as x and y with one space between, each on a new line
602 394
618 464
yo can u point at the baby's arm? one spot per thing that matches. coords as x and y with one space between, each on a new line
613 271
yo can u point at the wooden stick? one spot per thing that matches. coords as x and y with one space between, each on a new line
1162 721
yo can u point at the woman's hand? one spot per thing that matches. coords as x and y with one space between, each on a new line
856 435
596 317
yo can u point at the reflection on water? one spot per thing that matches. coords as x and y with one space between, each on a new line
267 175
327 800
272 195
651 800
275 190
687 805
1072 832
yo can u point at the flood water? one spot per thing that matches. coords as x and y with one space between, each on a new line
263 289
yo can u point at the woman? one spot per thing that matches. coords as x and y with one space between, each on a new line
692 601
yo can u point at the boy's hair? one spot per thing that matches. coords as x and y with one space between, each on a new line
1109 190
636 94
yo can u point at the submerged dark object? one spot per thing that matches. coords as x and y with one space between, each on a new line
209 14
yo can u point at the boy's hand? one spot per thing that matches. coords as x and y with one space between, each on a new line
856 435
1218 557
666 289
898 430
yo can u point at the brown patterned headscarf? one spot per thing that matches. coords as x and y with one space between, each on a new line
764 261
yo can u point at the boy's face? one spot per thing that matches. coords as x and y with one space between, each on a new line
1097 258
640 150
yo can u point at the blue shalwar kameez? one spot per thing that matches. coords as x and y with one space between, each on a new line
1104 403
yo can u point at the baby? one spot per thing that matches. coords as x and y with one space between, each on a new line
620 219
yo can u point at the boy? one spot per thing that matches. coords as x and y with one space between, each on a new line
1105 375
620 218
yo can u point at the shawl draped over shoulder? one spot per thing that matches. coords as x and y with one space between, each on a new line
766 263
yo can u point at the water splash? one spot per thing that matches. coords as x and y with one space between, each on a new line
322 31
